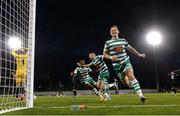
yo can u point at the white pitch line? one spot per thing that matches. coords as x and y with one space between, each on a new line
116 106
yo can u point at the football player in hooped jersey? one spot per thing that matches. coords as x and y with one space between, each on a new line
83 74
115 50
98 62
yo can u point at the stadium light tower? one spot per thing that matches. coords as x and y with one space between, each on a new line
154 38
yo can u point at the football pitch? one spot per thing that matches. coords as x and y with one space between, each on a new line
128 104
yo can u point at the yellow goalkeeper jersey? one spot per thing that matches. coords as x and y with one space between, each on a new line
21 61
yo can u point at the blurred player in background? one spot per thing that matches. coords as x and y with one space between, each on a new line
103 78
115 50
173 82
60 89
83 74
21 57
74 84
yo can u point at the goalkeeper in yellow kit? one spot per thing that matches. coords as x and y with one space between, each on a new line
21 56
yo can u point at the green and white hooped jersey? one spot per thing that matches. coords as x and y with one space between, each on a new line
82 72
99 63
117 47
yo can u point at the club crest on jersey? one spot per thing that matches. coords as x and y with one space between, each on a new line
118 49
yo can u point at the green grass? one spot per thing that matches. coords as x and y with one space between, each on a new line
157 104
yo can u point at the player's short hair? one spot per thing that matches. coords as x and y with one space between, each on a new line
81 60
112 26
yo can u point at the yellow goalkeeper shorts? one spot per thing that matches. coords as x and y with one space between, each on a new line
20 77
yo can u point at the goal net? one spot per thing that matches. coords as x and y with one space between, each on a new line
17 22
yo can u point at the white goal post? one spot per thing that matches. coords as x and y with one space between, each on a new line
17 19
31 43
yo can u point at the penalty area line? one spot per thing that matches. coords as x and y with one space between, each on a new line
116 106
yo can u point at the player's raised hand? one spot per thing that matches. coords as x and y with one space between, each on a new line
78 64
142 55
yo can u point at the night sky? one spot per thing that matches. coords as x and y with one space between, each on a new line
67 30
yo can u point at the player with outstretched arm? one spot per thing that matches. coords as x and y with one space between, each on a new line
115 50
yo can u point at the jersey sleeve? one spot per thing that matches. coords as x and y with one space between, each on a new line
20 56
25 55
127 44
106 47
91 63
76 71
14 53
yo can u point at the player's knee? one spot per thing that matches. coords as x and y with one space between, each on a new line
130 75
124 83
98 85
